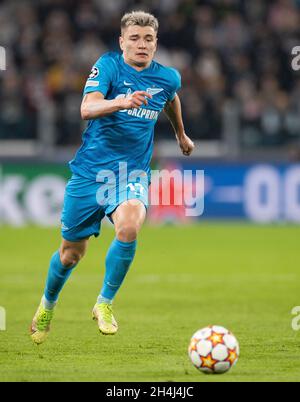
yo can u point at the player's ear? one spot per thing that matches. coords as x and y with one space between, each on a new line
121 42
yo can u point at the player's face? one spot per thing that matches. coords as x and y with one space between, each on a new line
139 45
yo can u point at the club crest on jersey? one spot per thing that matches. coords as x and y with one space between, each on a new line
94 72
154 91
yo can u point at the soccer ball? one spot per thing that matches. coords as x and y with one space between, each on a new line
214 350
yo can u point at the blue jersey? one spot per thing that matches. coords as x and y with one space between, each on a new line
127 135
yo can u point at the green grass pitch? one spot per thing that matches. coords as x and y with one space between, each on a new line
244 277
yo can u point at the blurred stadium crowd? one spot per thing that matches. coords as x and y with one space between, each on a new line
228 51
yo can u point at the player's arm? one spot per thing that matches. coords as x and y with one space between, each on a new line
95 106
174 114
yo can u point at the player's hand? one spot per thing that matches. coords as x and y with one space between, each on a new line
186 144
135 100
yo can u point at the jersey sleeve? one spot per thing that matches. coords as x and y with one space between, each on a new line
176 83
101 76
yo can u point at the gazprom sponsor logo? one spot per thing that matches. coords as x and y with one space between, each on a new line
143 113
140 113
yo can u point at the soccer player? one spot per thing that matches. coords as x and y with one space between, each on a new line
123 98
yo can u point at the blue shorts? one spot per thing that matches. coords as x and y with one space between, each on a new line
87 202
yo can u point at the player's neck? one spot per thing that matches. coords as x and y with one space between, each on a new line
137 67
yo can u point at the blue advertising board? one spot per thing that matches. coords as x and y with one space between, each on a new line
258 192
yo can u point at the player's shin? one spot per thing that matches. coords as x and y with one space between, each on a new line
118 260
58 274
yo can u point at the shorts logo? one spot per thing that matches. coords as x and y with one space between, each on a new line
94 72
64 227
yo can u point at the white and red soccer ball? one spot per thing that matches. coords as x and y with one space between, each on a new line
214 350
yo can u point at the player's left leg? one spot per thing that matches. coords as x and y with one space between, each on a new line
128 219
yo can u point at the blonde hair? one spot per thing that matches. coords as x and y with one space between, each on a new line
139 18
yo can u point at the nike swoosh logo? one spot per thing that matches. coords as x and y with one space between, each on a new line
128 83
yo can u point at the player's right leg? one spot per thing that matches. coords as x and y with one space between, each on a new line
81 217
61 266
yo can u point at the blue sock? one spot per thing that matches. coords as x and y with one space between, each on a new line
58 274
118 260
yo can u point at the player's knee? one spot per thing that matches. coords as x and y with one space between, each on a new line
127 233
70 257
